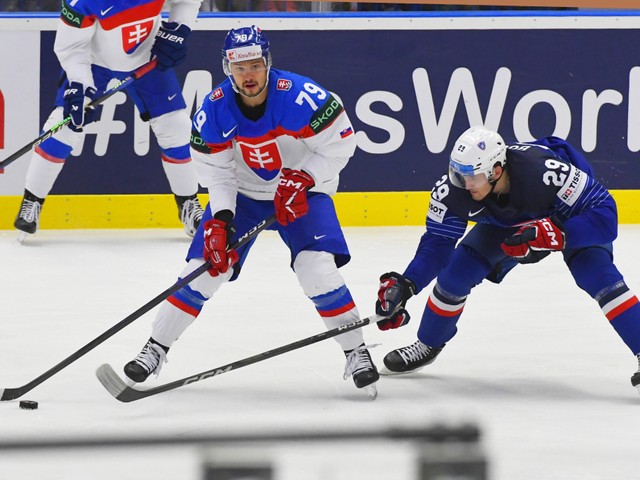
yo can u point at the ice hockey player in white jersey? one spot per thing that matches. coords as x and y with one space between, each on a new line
267 141
100 40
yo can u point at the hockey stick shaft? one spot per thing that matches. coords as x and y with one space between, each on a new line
13 393
121 391
125 82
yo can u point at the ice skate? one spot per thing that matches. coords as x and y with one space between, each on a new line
635 379
148 361
28 218
362 369
190 212
409 358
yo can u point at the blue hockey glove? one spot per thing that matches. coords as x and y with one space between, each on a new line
76 98
394 291
170 47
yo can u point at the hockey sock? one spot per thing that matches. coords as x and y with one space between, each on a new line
440 316
621 307
323 284
595 273
45 167
180 171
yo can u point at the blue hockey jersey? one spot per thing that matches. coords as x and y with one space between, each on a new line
547 177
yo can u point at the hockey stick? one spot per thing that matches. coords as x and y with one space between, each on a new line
121 391
143 70
13 393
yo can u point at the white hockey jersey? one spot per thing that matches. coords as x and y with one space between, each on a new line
115 34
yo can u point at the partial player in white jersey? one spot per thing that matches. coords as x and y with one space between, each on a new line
267 142
101 40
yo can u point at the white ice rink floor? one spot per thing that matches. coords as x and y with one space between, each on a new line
535 364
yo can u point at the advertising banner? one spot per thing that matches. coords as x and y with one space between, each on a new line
409 94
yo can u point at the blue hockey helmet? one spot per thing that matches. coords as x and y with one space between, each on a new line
242 44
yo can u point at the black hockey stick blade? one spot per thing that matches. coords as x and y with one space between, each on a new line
13 393
143 70
125 393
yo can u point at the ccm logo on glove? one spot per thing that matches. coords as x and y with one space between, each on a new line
534 241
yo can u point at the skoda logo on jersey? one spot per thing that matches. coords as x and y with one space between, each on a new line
284 84
133 35
264 158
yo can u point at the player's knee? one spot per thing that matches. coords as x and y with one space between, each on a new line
593 270
204 285
466 269
64 136
171 129
317 272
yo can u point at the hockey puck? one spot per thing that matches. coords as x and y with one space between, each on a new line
28 405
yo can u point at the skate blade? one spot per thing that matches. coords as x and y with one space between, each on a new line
384 371
22 236
372 391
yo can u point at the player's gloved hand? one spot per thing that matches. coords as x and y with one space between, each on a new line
394 291
533 242
170 46
217 237
291 195
75 101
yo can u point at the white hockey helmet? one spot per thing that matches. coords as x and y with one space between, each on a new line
476 152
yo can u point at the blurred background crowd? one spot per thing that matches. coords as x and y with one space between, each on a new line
275 6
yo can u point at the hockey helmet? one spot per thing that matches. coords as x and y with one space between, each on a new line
476 152
242 44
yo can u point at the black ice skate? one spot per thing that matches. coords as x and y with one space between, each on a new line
28 218
148 361
362 369
190 213
412 357
635 379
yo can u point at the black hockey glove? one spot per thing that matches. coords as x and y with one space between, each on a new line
170 47
394 291
75 100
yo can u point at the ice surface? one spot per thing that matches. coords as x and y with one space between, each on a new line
535 364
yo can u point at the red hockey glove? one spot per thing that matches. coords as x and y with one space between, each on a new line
291 195
394 291
75 101
535 241
217 236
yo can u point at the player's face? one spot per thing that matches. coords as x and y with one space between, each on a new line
250 76
477 185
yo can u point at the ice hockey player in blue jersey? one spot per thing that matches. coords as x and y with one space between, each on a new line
267 141
529 200
101 40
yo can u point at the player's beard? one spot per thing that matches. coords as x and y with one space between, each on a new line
243 91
